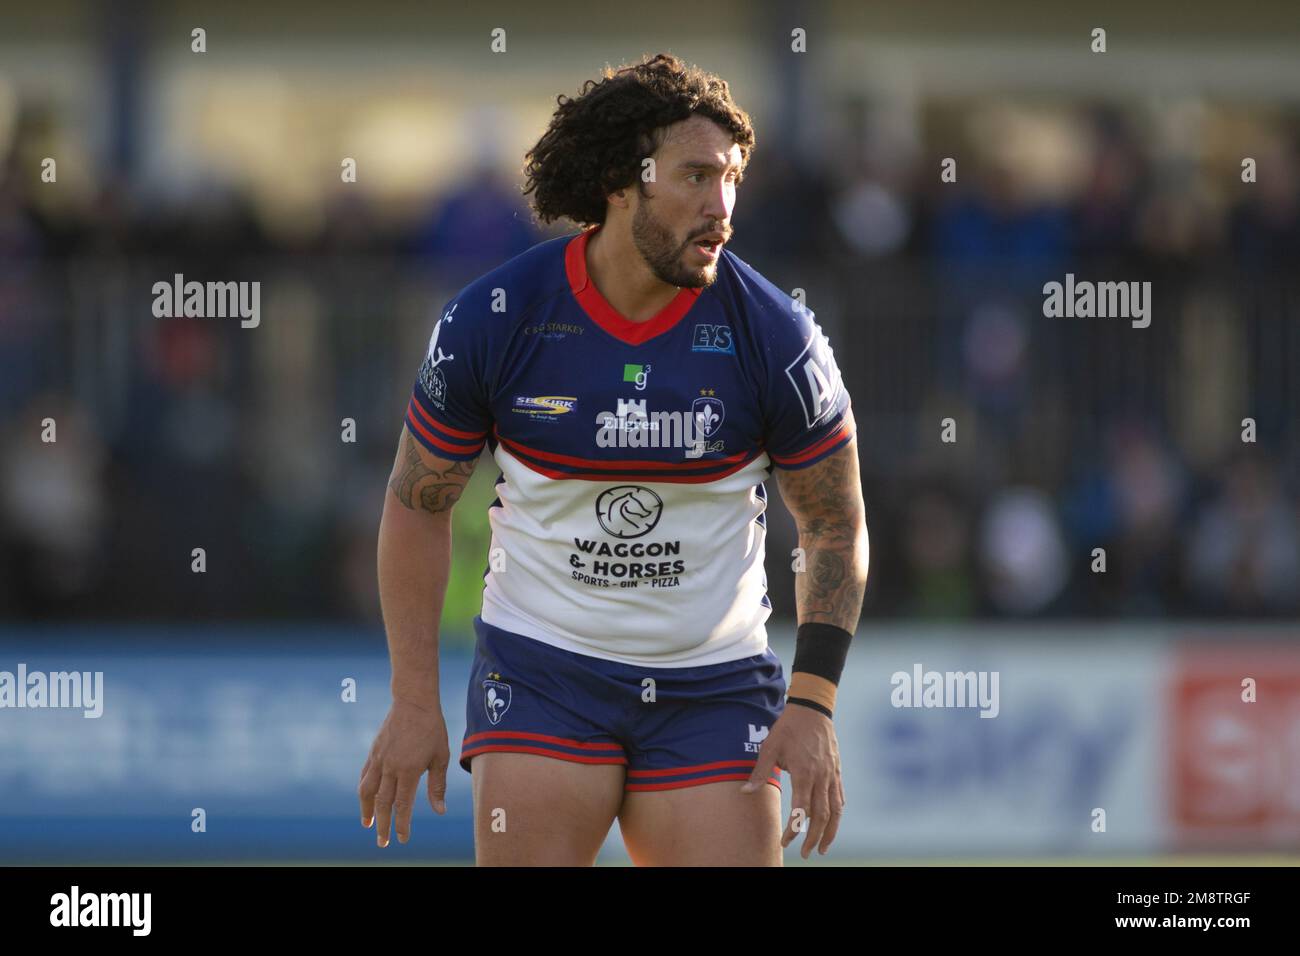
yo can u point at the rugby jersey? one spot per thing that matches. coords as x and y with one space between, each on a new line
629 519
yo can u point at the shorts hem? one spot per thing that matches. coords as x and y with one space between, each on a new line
644 780
697 781
467 755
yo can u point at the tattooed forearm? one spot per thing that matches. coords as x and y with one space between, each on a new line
828 591
829 571
435 490
826 501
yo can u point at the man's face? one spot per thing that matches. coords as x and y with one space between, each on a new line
682 220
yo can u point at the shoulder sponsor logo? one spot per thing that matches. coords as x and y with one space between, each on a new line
436 355
816 379
713 338
435 384
544 406
431 377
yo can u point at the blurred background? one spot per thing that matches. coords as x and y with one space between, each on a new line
1121 689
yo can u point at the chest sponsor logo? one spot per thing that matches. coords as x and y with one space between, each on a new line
626 512
713 338
638 375
634 426
553 330
544 406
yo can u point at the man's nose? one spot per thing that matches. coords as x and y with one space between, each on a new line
718 208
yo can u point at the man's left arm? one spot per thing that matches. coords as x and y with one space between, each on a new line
825 499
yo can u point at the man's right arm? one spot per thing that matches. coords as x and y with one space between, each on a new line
415 563
447 421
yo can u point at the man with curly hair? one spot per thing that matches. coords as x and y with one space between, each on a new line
635 384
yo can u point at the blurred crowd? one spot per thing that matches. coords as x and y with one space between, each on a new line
1094 469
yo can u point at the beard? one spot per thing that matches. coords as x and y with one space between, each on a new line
663 253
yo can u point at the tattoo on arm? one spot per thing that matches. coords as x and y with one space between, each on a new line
416 485
826 501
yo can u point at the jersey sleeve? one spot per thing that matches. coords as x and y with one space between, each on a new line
449 412
807 414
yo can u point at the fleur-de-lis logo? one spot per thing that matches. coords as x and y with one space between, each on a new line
496 699
709 413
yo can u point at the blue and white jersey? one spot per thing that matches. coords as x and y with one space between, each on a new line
629 521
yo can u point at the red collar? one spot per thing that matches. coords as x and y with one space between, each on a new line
604 314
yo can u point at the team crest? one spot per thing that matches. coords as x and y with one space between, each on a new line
496 699
708 413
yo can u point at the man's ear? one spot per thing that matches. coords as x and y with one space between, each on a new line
621 198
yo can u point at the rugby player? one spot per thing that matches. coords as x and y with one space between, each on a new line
635 383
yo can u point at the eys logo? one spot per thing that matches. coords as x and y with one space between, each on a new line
628 511
713 338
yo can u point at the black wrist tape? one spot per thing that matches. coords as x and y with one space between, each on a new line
821 649
805 702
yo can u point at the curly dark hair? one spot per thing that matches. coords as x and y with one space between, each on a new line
595 143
